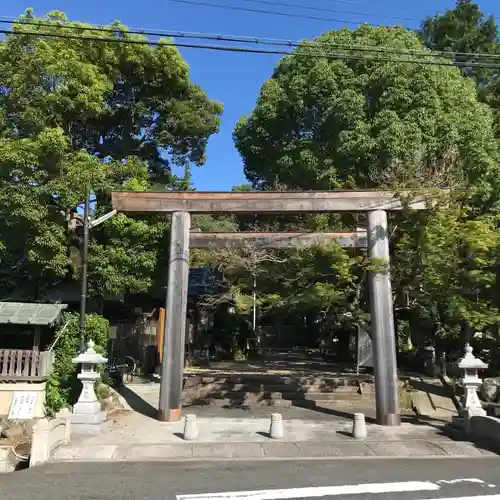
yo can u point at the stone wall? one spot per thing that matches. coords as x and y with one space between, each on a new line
485 431
49 435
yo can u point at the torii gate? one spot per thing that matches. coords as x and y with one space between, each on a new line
182 204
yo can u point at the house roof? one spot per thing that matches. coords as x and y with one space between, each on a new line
25 313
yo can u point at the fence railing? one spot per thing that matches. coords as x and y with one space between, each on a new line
18 365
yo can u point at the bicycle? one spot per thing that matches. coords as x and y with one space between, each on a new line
120 367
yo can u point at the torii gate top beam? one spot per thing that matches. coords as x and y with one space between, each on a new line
263 202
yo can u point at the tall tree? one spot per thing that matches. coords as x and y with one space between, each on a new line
467 32
463 29
91 112
324 123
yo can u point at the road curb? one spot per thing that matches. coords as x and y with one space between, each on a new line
175 460
272 451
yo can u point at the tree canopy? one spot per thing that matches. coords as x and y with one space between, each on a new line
81 114
465 30
87 113
325 123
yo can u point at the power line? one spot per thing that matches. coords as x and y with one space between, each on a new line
221 48
270 12
357 2
250 40
274 13
323 9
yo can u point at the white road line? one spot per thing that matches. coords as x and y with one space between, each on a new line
477 497
322 491
455 481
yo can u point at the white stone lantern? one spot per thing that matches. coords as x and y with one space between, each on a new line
87 414
471 382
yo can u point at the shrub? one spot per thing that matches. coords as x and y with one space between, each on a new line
63 387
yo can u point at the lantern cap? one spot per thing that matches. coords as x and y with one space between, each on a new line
90 356
469 361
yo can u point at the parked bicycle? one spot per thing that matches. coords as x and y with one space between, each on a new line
120 369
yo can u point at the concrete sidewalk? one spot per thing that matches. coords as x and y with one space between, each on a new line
242 433
131 427
136 437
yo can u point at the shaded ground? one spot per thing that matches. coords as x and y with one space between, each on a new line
285 362
143 398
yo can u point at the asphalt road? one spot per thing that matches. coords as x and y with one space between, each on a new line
376 479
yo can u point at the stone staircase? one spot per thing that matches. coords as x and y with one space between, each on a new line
278 390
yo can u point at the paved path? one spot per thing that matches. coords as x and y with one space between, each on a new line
346 479
136 437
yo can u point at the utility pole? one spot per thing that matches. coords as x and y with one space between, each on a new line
85 254
87 225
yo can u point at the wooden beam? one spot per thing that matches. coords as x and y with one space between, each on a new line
276 240
260 202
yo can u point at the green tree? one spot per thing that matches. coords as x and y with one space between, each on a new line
463 29
467 30
323 123
78 113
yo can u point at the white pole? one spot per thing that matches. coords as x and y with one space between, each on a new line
102 219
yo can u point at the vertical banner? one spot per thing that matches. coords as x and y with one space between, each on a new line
160 333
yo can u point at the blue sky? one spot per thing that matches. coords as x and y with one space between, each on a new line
235 79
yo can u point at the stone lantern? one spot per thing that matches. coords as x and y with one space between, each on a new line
471 382
87 414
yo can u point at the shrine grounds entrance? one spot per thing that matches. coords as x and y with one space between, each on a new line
182 204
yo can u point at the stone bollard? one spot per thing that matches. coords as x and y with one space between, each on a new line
276 430
190 428
359 426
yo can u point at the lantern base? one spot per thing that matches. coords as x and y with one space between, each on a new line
84 408
89 423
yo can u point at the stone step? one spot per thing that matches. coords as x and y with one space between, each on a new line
235 403
277 394
261 398
275 380
279 403
207 389
321 396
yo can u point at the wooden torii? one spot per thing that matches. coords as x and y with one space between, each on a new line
182 204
